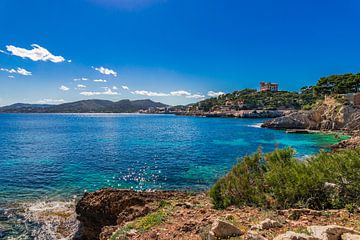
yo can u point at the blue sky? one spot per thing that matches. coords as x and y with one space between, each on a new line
174 51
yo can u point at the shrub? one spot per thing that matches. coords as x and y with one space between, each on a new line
277 179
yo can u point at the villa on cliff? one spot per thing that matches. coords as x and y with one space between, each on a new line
268 86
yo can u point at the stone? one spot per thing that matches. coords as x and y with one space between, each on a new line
222 229
267 224
349 236
294 236
330 232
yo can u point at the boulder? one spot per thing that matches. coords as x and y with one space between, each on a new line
221 229
349 236
330 232
294 236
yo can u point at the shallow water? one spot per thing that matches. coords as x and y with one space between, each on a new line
59 156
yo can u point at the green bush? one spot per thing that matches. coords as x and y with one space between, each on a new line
277 179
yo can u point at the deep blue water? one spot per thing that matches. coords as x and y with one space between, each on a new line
60 155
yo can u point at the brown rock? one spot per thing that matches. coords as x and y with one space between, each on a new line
222 229
294 236
110 207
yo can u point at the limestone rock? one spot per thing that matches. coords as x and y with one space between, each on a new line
294 236
330 232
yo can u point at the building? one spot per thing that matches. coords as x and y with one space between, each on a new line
268 86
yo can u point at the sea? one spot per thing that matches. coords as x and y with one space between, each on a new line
48 161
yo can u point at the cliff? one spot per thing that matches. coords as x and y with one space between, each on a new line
331 115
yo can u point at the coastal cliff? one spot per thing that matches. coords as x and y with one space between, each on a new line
331 115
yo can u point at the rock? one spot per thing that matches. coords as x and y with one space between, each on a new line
112 207
349 236
252 235
221 229
331 115
353 142
294 236
330 232
267 224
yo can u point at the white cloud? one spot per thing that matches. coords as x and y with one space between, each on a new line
215 94
23 72
64 88
20 71
114 88
179 93
80 79
37 53
150 94
106 71
11 76
196 96
100 80
125 87
107 91
51 101
81 86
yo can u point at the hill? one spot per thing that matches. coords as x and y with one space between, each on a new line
85 106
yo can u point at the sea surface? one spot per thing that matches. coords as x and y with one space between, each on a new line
48 160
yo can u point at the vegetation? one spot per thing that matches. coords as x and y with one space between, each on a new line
338 84
278 179
305 99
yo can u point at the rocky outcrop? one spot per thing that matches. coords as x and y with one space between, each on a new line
110 207
349 143
331 115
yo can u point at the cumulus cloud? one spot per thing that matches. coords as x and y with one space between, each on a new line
81 86
51 101
125 87
106 71
150 94
107 91
114 88
100 80
37 53
64 88
80 79
20 71
215 94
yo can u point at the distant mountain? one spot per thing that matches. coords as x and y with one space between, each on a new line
85 106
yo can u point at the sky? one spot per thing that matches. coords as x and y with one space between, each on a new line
173 51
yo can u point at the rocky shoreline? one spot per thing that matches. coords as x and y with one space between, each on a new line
330 116
126 214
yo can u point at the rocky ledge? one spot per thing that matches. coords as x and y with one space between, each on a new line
331 115
124 214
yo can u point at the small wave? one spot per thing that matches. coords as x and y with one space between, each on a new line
44 220
256 125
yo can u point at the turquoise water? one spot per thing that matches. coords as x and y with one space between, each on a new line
44 156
